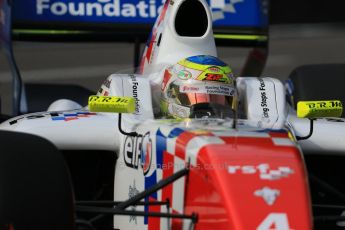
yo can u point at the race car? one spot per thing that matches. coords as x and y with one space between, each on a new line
182 144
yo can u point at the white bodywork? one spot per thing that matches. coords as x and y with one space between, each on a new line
173 47
328 136
262 105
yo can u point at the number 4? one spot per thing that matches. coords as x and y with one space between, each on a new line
276 221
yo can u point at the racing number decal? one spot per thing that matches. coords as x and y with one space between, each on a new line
276 221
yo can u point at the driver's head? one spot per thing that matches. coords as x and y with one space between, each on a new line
198 86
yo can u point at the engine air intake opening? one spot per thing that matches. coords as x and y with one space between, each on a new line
191 19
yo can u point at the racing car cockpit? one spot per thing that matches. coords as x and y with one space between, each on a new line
197 87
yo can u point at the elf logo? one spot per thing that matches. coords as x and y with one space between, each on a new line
137 152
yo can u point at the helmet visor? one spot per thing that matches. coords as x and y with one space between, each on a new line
212 100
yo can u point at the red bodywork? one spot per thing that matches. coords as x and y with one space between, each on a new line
226 187
225 198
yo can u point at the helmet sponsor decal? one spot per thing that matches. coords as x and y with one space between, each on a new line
208 89
214 69
184 75
219 74
214 77
191 89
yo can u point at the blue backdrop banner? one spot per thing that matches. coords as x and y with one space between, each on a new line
228 13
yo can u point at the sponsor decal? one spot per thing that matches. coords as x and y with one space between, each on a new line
118 9
324 104
99 8
269 195
214 69
184 74
225 12
138 151
146 153
208 89
213 77
318 109
135 85
132 192
264 98
275 221
220 90
263 170
191 89
70 116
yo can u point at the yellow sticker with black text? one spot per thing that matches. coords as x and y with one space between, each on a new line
318 109
111 104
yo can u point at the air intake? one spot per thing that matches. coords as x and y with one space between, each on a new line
191 19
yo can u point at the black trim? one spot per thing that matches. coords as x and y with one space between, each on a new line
310 131
112 211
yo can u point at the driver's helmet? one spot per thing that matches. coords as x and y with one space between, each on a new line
197 87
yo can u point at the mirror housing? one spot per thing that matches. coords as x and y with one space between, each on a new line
111 104
319 109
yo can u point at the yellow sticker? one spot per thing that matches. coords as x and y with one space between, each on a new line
315 109
111 104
